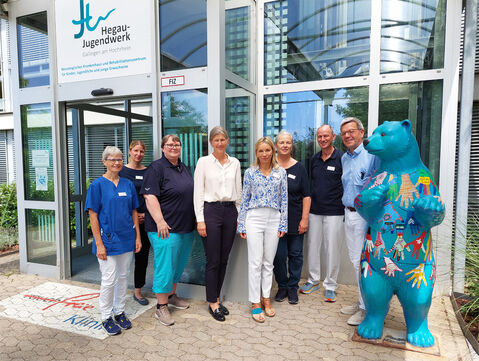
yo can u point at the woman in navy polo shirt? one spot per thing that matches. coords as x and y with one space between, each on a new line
111 202
135 171
170 222
289 256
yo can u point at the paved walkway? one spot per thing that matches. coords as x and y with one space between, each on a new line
311 330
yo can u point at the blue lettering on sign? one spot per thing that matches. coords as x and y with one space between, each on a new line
85 19
84 321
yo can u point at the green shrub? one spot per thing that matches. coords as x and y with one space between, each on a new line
8 238
8 206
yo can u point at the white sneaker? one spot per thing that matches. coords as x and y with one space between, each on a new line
357 318
350 310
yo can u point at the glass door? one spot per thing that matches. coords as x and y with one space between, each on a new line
90 128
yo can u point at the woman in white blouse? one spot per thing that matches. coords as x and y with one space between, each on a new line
217 197
262 221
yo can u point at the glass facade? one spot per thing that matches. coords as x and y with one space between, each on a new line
238 124
41 244
308 40
302 113
237 42
32 43
182 34
412 35
37 152
421 103
184 113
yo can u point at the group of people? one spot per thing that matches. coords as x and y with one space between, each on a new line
134 206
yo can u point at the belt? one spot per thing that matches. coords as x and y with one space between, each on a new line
351 209
229 203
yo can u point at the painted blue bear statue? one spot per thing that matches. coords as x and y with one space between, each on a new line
401 203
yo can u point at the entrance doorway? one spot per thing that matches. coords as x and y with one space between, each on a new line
91 126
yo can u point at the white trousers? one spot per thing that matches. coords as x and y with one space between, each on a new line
327 231
114 273
355 228
262 239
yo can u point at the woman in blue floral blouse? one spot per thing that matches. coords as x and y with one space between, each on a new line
262 220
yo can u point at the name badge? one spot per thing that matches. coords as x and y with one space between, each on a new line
122 194
140 177
331 168
292 176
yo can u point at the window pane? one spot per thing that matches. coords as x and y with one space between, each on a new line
237 41
41 241
184 113
412 35
312 40
143 131
33 61
238 124
37 152
421 103
302 113
183 34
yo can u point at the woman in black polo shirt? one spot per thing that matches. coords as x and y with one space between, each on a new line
170 222
289 255
135 171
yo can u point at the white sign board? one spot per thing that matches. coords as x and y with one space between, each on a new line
41 158
173 81
99 39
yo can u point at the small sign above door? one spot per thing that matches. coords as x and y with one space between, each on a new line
173 81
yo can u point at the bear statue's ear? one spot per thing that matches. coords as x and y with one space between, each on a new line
407 125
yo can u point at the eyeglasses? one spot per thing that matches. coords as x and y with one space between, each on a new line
172 146
349 132
116 160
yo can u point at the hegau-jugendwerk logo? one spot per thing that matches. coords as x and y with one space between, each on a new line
85 19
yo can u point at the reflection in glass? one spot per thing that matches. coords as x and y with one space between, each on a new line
238 120
312 40
421 103
184 113
302 113
41 241
143 131
412 35
237 41
37 152
183 34
33 61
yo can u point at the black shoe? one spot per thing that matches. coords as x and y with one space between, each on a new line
223 310
292 296
281 294
217 315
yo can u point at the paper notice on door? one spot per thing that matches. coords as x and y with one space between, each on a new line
41 179
40 158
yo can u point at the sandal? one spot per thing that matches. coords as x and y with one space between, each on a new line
268 309
257 313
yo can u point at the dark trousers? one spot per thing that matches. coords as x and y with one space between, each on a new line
141 258
290 248
220 222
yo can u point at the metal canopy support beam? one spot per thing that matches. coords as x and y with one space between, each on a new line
465 129
110 111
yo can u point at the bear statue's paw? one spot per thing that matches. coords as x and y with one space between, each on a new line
429 204
421 338
371 328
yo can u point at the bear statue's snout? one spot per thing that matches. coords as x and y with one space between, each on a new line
365 142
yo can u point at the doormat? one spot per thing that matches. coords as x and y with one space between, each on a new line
397 339
64 307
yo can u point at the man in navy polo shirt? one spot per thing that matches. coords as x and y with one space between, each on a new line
326 215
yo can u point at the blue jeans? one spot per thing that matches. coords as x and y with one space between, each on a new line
290 248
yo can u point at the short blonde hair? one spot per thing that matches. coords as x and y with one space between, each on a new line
268 141
285 133
218 130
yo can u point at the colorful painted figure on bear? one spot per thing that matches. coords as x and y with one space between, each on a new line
401 203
